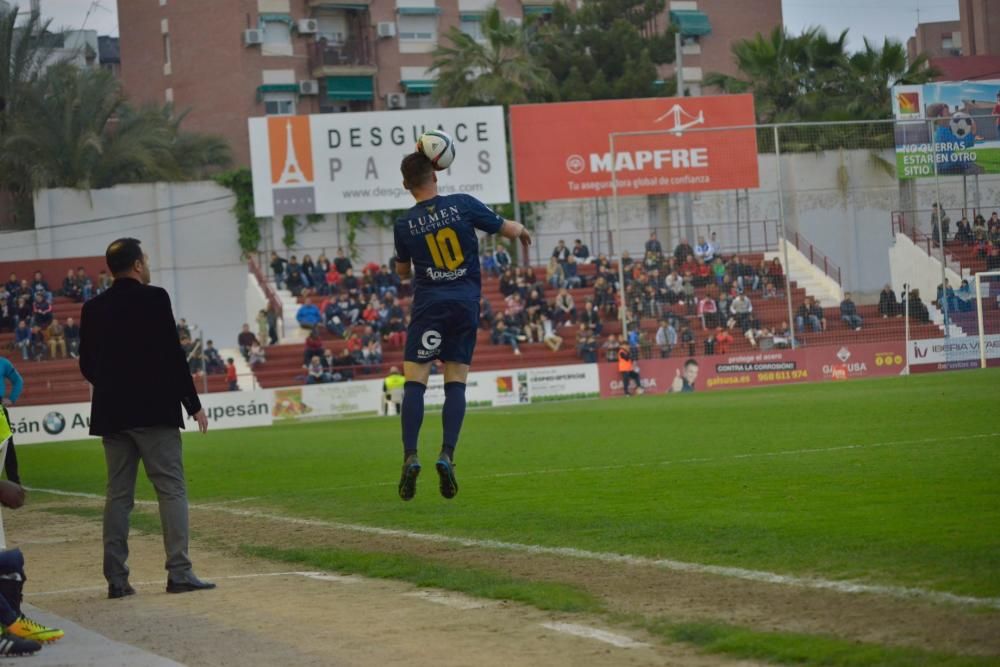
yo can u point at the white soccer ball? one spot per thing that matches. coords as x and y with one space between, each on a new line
961 125
438 147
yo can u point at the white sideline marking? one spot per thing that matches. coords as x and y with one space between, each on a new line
622 466
336 578
621 641
452 600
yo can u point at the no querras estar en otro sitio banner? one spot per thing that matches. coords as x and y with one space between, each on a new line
347 162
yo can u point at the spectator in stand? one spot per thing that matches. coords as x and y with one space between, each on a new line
782 336
41 311
257 356
965 298
485 313
25 309
590 317
653 244
307 269
918 311
38 345
888 306
849 313
939 223
810 312
342 262
552 340
313 346
22 339
245 340
13 285
488 265
315 373
719 271
723 339
104 282
687 338
294 282
776 273
581 252
755 336
565 308
183 330
85 283
262 326
308 315
38 284
964 233
349 282
561 253
504 335
371 354
231 378
666 338
502 258
741 313
70 288
278 266
768 291
554 274
571 272
213 360
55 335
7 318
586 348
341 370
387 282
947 293
703 251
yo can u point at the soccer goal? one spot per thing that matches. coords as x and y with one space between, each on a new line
987 294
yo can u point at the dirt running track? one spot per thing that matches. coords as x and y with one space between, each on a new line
295 619
256 618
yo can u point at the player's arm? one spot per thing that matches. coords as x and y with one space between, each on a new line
403 261
404 269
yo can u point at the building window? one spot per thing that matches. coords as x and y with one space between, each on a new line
418 28
277 33
420 102
167 66
279 104
473 28
332 28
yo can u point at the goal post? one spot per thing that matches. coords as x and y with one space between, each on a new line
987 294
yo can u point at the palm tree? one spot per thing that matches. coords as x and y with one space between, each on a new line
498 70
75 130
874 71
22 55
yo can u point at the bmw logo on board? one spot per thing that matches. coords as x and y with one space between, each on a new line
54 423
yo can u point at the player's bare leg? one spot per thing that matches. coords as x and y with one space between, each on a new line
452 415
412 418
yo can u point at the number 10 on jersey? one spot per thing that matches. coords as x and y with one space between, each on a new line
445 249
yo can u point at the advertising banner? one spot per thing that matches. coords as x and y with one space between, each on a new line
756 369
335 399
562 150
71 421
955 124
345 162
955 353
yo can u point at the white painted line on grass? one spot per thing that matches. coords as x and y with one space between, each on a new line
335 578
621 641
455 601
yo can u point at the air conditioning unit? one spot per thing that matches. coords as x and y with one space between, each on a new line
254 36
395 100
386 29
308 26
309 87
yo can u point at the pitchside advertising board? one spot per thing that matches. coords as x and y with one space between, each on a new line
955 353
347 162
682 375
955 124
562 151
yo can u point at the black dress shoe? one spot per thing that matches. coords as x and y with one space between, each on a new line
116 591
192 583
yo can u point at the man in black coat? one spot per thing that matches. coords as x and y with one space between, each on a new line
136 409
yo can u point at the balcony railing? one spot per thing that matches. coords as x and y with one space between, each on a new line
355 51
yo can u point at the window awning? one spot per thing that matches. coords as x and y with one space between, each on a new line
350 6
418 86
537 10
418 11
690 22
276 18
471 16
359 88
277 88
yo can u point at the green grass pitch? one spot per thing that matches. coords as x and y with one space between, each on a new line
734 478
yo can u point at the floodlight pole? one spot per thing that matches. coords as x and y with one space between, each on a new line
979 316
618 238
784 237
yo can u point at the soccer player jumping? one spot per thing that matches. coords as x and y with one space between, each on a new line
438 237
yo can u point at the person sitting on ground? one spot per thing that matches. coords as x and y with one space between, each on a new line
41 311
213 360
56 337
849 313
245 339
308 315
231 381
888 306
70 288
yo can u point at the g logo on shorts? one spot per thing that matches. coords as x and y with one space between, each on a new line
431 340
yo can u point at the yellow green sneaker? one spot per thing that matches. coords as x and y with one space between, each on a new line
25 628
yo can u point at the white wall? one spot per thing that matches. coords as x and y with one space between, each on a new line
911 265
187 230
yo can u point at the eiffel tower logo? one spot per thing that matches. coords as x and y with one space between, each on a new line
291 173
682 119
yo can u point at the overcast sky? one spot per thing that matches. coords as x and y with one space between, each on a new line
865 18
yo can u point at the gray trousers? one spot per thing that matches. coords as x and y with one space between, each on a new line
159 448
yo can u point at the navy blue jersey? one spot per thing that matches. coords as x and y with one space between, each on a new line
439 236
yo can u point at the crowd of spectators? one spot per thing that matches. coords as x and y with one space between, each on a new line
26 309
982 233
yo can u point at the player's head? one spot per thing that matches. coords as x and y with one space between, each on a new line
125 256
691 371
418 171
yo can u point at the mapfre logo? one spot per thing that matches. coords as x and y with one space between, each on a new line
681 119
289 141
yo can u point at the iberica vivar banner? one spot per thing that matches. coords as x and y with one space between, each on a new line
348 162
563 150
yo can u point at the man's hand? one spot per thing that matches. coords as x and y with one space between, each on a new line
11 494
7 403
202 420
525 237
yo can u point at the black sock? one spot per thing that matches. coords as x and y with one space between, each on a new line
412 416
452 415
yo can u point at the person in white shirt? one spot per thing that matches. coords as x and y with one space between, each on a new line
666 338
704 250
740 310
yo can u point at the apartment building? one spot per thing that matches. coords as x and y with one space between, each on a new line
229 60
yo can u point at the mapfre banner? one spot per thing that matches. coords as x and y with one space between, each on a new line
562 151
346 162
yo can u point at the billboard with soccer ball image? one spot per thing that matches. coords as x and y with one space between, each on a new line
955 124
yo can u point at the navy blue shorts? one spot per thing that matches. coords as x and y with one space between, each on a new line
444 330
